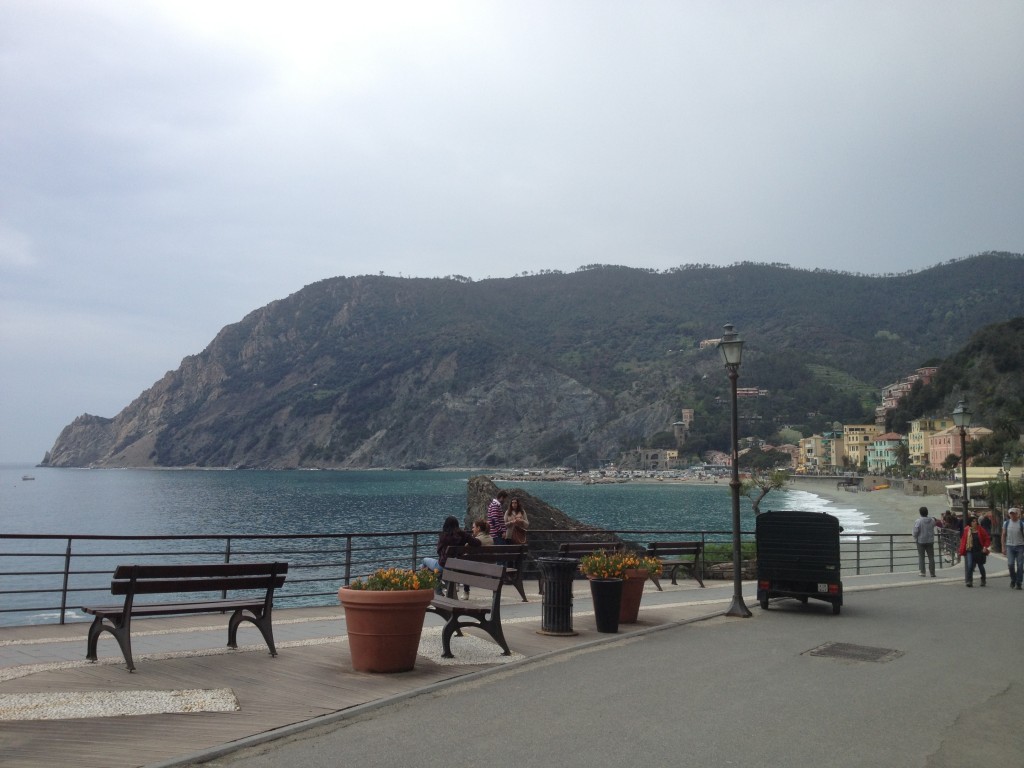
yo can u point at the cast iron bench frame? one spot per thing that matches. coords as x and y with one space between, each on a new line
509 555
676 555
464 613
132 580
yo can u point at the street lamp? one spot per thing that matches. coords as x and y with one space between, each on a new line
962 419
731 347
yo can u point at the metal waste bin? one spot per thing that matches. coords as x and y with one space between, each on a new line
556 609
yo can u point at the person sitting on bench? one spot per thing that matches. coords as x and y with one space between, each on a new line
452 535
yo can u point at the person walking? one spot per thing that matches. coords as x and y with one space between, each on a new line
924 535
974 545
1013 546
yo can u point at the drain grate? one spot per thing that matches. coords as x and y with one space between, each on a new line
855 652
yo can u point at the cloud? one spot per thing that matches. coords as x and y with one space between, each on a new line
184 163
15 248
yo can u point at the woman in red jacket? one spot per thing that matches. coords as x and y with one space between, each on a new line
974 543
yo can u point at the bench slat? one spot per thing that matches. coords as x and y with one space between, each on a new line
213 584
193 570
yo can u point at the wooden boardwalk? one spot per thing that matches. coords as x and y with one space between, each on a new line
304 682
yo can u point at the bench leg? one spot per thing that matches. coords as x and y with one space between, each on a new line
450 627
120 629
518 584
454 627
94 635
493 628
262 622
657 583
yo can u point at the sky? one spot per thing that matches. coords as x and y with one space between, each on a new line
168 167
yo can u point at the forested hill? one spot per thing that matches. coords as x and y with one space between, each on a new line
383 371
988 373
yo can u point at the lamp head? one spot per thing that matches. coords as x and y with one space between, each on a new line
961 416
1007 463
731 347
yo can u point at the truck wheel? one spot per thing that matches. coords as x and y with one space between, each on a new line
764 602
835 609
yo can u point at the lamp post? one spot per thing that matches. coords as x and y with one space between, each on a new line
731 347
962 419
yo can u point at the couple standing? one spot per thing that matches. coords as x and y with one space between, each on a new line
974 546
507 526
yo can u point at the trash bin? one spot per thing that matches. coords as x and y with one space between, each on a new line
556 609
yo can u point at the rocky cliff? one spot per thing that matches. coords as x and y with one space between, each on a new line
543 370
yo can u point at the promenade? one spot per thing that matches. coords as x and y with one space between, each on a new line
913 672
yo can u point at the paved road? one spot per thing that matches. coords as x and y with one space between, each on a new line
725 692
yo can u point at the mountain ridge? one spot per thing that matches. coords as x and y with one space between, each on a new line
378 371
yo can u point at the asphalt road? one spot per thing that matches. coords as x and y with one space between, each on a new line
725 692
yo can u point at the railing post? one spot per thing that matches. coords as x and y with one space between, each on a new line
415 549
892 543
64 587
227 559
348 559
858 554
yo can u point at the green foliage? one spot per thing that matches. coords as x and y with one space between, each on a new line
664 440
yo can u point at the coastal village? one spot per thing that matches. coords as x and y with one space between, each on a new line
846 449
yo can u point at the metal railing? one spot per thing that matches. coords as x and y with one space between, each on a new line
46 577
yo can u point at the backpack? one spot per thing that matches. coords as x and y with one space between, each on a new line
1006 527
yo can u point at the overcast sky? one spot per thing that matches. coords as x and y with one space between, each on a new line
167 167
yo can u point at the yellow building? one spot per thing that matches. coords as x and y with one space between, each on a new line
856 439
918 438
811 456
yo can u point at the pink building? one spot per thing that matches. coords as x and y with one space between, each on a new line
946 442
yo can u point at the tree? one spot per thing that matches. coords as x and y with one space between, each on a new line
762 483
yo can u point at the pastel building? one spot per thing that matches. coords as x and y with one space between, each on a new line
947 442
856 439
919 435
883 452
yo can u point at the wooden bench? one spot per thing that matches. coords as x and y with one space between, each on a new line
132 580
463 613
580 549
676 555
509 555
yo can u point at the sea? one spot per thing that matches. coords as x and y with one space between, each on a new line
175 502
133 502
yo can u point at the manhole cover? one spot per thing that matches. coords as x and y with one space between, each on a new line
855 652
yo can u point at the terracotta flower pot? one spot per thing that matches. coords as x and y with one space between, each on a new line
384 627
632 592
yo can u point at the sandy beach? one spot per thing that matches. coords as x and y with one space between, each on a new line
888 510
